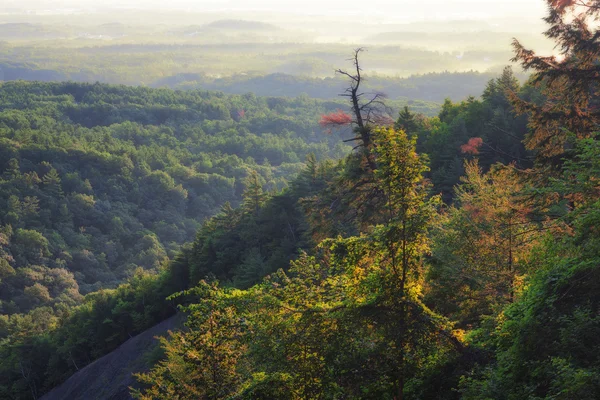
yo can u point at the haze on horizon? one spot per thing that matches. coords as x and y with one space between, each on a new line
296 37
378 10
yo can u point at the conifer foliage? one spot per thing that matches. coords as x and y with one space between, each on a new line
359 293
569 81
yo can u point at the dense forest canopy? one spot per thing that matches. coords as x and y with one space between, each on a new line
100 180
494 296
176 158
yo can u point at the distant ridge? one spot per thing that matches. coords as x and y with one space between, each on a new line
241 25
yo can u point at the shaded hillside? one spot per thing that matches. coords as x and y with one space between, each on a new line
110 377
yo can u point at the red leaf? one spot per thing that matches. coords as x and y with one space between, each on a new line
472 146
335 119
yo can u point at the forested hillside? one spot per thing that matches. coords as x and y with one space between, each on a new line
205 162
100 180
336 250
493 295
423 92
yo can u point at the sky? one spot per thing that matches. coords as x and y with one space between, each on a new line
392 10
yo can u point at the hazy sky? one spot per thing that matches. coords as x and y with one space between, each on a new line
393 10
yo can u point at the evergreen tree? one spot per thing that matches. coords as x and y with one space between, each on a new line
254 197
409 213
498 90
406 121
52 184
211 351
568 81
12 170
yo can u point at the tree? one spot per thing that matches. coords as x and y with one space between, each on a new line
482 244
568 81
30 206
37 293
498 90
506 129
51 182
400 175
546 345
338 118
12 170
406 121
29 246
6 270
353 201
254 197
366 114
204 362
363 292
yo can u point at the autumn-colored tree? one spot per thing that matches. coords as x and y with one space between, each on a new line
483 243
335 119
472 146
546 344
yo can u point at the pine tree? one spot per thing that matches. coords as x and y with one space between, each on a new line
497 90
400 177
254 196
406 121
568 81
202 363
52 184
228 217
12 171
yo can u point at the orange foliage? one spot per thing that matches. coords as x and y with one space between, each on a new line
472 146
335 119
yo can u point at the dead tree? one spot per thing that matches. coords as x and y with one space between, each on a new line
366 114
